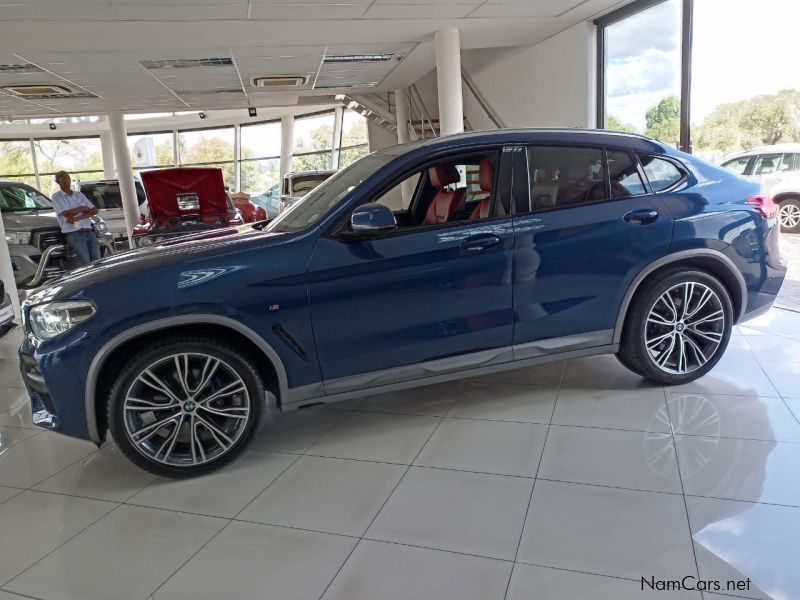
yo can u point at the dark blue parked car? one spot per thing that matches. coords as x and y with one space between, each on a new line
417 264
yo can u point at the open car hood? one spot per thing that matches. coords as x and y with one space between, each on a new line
186 192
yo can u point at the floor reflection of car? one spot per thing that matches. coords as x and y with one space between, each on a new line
6 311
38 248
182 201
778 167
298 184
106 196
422 263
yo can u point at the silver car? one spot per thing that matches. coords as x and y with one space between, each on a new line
298 183
37 246
106 197
778 167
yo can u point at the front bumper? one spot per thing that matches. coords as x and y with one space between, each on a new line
54 375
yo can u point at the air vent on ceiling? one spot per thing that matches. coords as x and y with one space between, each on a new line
45 92
280 81
360 58
23 68
186 63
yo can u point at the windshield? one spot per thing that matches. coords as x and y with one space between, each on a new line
319 201
303 184
18 197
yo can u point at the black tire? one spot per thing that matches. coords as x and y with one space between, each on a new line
232 362
789 204
633 352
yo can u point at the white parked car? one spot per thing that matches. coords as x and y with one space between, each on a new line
779 168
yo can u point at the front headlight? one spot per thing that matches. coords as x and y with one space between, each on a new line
18 237
101 227
49 320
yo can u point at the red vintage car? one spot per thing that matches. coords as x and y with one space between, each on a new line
183 201
251 213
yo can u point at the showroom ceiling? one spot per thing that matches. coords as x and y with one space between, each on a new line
177 55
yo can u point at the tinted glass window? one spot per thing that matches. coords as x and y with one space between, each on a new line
107 195
767 164
561 176
787 163
21 197
661 173
737 165
624 175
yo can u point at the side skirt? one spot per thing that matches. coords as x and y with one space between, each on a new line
299 400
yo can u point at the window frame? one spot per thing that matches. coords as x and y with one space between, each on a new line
747 167
675 163
687 31
337 229
526 176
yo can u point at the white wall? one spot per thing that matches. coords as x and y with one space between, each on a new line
379 138
549 84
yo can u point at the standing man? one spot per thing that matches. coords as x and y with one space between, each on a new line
73 211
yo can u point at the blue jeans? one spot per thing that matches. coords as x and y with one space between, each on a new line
84 244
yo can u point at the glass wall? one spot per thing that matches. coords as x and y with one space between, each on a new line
260 157
259 152
82 157
313 142
745 83
151 150
642 72
16 161
355 141
209 147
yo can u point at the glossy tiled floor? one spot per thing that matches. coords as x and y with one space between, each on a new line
571 480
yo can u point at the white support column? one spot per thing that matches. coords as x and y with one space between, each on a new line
287 146
401 115
237 157
338 113
7 271
448 81
119 138
107 149
35 165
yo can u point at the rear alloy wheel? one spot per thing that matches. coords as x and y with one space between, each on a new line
789 215
678 327
186 407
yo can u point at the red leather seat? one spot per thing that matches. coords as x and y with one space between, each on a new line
446 203
485 179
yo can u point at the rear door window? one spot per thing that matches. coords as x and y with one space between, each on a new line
563 176
661 174
624 174
767 164
737 165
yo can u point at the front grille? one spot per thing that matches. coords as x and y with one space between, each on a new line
47 237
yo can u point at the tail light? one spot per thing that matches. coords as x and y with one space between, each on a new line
763 203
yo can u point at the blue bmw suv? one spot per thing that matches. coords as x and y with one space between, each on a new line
418 264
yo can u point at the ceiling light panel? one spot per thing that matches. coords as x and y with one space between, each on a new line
187 63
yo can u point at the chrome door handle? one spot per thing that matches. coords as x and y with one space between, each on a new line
473 244
641 217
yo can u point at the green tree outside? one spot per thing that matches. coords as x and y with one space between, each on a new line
664 120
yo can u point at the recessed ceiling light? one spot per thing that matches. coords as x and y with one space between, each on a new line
359 58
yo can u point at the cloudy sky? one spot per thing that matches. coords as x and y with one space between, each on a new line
741 49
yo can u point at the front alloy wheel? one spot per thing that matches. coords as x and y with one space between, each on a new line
186 407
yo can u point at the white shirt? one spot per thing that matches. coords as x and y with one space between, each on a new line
63 201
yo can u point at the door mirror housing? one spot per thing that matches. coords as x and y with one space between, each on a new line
371 220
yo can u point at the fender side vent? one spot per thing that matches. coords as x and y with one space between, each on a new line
289 341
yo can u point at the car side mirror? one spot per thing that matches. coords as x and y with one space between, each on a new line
370 221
